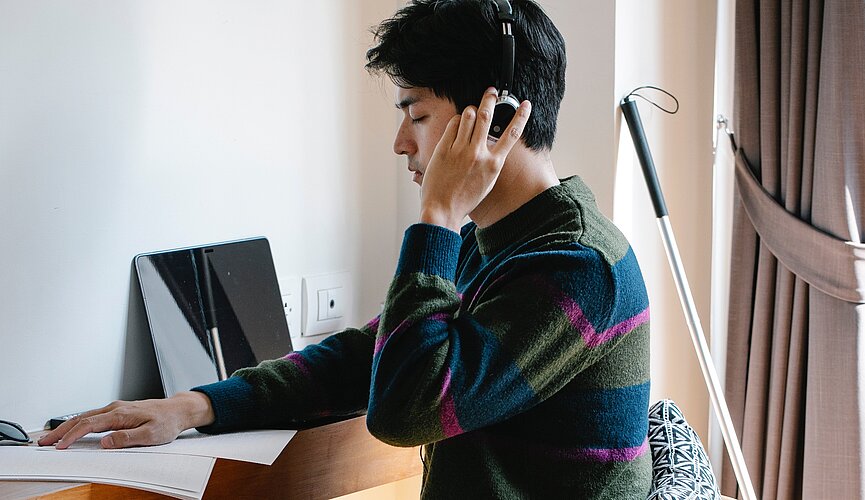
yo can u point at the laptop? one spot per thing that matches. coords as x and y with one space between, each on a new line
212 309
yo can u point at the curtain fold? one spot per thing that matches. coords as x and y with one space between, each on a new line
796 352
833 266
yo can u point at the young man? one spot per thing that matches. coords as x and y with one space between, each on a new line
515 348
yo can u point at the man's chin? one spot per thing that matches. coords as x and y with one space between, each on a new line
418 178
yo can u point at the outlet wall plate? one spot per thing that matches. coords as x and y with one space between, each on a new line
326 301
290 290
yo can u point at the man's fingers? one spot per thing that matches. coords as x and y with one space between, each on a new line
485 116
96 423
80 428
140 436
450 133
467 124
514 131
61 430
55 435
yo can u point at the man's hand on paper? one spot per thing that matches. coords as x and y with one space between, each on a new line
138 423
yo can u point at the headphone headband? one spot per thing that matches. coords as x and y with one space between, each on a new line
506 16
506 104
505 10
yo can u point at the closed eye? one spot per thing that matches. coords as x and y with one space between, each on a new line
418 120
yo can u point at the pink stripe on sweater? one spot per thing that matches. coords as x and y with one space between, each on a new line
448 415
587 330
607 454
627 325
297 359
404 325
382 338
603 455
373 324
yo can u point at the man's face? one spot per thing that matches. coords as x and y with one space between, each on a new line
425 117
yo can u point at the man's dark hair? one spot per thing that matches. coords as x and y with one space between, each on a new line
454 48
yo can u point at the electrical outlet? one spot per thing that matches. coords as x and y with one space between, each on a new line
326 302
290 289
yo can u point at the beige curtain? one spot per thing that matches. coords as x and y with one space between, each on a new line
796 341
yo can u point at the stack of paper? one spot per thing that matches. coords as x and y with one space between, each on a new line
175 475
180 469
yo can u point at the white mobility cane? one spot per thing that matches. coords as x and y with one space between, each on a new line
719 404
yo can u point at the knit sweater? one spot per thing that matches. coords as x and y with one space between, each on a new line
517 353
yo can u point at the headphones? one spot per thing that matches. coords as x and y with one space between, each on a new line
506 104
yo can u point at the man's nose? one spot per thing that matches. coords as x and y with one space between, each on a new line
402 144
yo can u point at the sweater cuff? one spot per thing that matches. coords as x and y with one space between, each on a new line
233 402
429 249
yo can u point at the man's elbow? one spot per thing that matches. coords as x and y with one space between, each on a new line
393 429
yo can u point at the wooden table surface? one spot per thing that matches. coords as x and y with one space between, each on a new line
319 463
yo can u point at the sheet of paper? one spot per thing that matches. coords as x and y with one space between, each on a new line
179 476
261 447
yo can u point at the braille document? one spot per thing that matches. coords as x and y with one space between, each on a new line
179 476
180 469
260 447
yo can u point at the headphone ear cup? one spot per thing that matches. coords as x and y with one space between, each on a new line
503 113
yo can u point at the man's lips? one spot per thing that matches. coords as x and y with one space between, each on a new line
417 174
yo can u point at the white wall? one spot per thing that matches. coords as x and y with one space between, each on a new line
585 139
130 126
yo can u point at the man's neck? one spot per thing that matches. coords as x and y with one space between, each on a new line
525 174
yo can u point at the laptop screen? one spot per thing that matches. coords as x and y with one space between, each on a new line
212 309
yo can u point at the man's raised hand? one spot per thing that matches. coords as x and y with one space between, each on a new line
465 164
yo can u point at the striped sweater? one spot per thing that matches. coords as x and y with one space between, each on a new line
517 353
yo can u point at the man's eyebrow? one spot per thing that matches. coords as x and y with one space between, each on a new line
408 101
